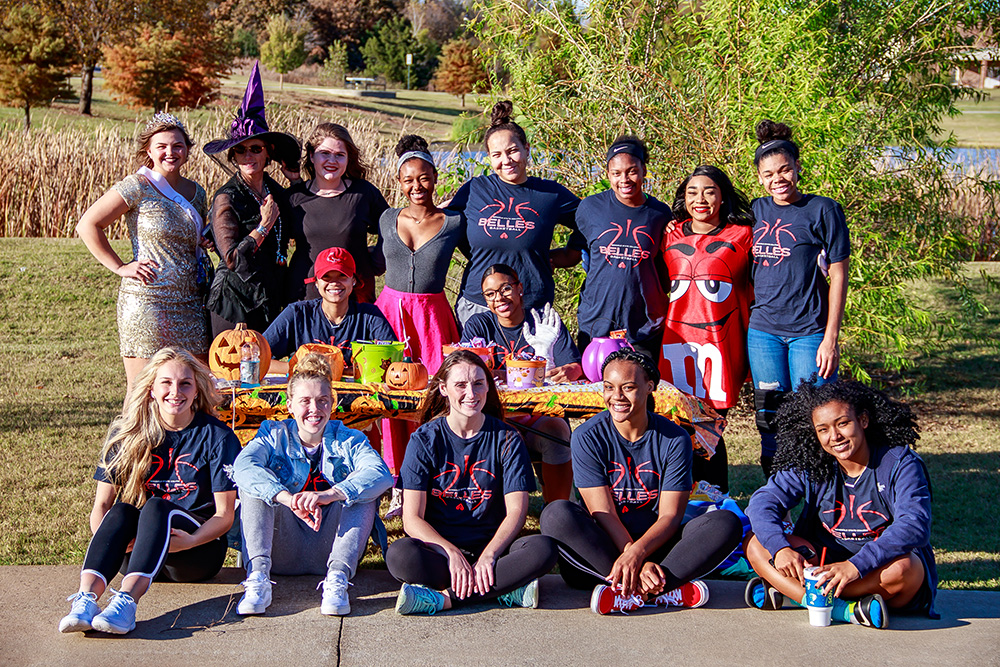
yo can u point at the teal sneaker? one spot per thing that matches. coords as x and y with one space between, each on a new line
416 599
870 611
761 595
526 596
81 614
118 617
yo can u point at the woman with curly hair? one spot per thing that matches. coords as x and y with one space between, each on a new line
336 207
845 451
164 499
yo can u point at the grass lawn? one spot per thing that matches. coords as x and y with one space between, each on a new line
412 111
979 124
61 382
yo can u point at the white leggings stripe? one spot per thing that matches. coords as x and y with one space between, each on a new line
166 545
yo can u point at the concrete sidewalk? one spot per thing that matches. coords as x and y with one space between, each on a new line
196 624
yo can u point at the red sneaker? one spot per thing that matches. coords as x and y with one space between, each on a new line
606 599
692 594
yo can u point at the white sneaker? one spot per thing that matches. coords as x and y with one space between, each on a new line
81 614
118 618
335 599
257 597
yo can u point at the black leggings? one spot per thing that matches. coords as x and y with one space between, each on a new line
415 562
151 527
587 553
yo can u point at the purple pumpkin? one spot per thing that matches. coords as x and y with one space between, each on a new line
597 352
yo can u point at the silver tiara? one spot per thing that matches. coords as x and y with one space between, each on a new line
164 118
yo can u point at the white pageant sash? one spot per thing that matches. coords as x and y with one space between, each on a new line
165 189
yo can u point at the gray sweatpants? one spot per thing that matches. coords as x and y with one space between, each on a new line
275 541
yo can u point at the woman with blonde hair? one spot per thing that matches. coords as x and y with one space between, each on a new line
164 501
336 207
309 488
159 299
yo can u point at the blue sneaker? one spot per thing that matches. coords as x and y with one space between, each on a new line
870 611
416 599
761 595
81 614
118 617
526 596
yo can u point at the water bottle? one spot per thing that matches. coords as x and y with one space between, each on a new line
250 363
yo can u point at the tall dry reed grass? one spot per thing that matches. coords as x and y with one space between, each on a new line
978 201
49 176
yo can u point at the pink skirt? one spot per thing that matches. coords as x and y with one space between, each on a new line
426 322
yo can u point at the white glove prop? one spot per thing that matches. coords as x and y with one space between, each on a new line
547 327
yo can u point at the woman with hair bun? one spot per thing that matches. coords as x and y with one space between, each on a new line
164 500
845 451
336 207
622 229
801 249
708 260
510 218
418 242
309 487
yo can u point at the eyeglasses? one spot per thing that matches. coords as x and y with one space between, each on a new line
240 149
505 291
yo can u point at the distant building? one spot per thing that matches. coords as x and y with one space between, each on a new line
978 68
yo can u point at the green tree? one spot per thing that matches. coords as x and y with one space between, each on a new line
461 69
34 60
285 48
349 22
385 52
854 78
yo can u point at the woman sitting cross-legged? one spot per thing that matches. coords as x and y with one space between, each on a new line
633 470
164 501
309 490
466 479
845 450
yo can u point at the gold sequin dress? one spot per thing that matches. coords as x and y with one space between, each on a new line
169 310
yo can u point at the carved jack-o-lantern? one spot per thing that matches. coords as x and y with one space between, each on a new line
224 354
332 353
406 374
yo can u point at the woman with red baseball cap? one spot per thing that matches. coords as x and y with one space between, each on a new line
336 318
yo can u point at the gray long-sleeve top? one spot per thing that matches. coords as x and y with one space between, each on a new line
422 271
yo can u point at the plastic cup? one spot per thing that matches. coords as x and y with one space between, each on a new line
820 605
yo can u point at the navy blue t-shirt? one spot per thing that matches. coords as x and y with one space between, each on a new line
623 288
512 225
466 480
304 322
636 472
486 325
791 294
852 514
191 464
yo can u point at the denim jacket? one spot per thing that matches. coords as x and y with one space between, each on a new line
275 461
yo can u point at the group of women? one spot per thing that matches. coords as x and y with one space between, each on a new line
675 280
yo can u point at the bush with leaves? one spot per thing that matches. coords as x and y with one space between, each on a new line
34 60
285 48
385 53
853 79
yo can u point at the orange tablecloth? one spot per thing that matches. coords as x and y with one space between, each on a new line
360 405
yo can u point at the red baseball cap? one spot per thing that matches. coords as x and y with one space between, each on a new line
334 259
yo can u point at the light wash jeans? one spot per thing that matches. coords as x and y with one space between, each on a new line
275 541
779 364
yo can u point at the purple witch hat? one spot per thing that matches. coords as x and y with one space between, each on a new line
250 124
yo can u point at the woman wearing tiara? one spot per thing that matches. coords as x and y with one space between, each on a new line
158 301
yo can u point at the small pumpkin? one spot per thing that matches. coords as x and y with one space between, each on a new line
224 354
406 374
332 353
